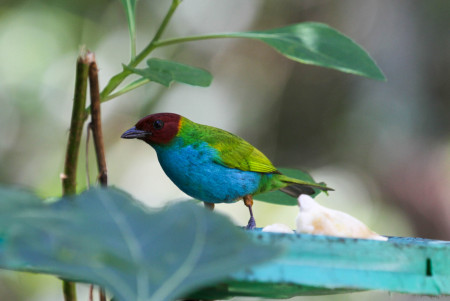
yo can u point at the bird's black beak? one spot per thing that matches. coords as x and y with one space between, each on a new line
135 133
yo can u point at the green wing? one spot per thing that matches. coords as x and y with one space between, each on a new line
235 152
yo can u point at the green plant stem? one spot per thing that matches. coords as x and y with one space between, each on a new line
113 83
69 179
132 27
136 84
166 19
117 79
168 42
146 51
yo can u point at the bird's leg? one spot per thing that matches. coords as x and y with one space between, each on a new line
209 206
248 201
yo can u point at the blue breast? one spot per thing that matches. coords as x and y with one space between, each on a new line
192 168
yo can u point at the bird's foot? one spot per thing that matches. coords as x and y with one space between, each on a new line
251 224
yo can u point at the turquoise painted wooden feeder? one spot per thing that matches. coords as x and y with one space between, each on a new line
316 265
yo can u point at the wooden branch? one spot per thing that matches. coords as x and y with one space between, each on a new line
96 127
96 123
102 295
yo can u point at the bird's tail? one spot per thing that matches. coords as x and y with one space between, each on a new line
297 187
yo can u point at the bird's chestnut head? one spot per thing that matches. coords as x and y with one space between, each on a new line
158 128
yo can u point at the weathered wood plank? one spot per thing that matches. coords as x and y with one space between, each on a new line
315 264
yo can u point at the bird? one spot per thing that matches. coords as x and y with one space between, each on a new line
317 219
213 165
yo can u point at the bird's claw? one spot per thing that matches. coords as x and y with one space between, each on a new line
251 224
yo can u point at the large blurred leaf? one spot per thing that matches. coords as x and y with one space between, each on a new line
130 10
281 198
104 236
165 72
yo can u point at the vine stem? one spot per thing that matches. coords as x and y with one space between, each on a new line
97 134
96 124
69 177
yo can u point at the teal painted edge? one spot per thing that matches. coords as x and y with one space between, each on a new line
316 264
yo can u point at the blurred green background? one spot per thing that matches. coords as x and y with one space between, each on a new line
384 146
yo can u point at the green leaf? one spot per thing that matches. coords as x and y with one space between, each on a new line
281 198
130 10
319 44
103 236
165 72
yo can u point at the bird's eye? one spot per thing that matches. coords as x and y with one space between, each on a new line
158 124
